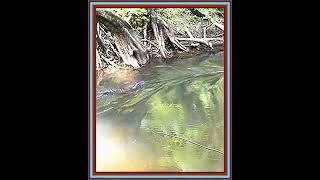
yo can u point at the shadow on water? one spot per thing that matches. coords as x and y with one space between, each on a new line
173 121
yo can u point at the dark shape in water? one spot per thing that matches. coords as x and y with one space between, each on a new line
125 90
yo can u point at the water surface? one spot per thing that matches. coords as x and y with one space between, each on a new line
172 122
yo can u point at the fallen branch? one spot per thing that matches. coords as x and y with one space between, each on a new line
200 39
194 143
205 41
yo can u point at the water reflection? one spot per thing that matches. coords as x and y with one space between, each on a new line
120 153
174 123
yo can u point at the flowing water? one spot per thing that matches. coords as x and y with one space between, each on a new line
163 117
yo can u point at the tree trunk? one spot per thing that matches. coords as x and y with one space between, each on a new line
131 50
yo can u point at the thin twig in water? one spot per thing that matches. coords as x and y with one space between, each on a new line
194 143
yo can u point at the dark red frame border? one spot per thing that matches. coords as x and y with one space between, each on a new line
94 92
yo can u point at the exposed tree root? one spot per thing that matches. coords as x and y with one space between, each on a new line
158 34
131 51
122 48
188 32
161 31
146 40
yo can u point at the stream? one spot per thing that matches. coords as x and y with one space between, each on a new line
163 117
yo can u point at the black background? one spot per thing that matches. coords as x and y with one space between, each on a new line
47 90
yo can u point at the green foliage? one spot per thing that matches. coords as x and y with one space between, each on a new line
167 116
211 14
177 17
135 16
